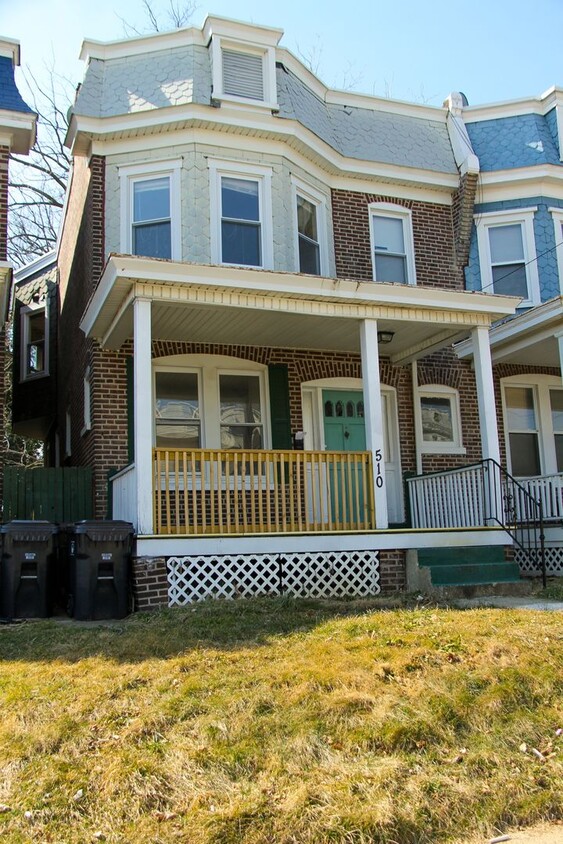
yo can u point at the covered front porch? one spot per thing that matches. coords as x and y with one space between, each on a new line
320 489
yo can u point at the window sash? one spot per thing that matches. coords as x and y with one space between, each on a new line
151 235
389 240
241 226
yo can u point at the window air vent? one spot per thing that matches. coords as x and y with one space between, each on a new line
243 75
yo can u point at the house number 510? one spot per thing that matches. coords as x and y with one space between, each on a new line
378 465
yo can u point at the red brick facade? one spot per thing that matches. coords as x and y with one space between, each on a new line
433 233
4 162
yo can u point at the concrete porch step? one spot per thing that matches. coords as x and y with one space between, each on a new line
462 567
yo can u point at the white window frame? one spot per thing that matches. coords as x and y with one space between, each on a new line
389 209
443 392
87 401
252 172
129 175
316 198
525 218
557 216
541 385
208 369
25 314
268 56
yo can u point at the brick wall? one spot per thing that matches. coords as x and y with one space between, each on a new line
150 583
433 234
392 571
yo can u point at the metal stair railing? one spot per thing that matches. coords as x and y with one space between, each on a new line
480 495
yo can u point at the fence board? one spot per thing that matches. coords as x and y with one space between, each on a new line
57 495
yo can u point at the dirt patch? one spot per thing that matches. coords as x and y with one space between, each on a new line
548 833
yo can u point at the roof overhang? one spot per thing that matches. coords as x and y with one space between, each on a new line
235 305
6 273
17 130
531 338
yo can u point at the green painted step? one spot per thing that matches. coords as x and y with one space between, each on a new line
474 554
472 574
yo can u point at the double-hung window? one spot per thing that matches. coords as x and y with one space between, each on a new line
150 210
310 227
523 431
557 217
507 254
34 350
241 214
392 244
209 404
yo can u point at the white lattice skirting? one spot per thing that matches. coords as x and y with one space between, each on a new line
553 561
305 575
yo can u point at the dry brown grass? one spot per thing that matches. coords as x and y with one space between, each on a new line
278 721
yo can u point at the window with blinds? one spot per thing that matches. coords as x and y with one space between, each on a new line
243 75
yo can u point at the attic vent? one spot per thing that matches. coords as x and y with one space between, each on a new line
243 75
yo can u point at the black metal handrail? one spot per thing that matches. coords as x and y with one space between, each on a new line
515 510
504 501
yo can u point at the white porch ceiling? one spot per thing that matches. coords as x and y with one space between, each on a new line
206 304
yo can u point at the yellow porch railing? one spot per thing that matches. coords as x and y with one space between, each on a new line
213 491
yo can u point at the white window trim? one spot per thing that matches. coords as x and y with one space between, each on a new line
130 174
253 172
25 313
389 209
524 216
440 391
268 54
300 188
87 402
541 386
208 368
557 216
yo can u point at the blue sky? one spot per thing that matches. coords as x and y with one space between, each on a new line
408 49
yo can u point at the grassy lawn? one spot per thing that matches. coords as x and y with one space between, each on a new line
280 721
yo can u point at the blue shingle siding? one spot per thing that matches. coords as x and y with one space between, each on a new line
510 142
544 234
10 97
551 120
367 134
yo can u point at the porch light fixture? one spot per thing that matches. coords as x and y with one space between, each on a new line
385 337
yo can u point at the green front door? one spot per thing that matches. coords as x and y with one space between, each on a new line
344 427
344 430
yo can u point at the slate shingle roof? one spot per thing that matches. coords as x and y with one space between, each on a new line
183 75
10 97
370 135
509 142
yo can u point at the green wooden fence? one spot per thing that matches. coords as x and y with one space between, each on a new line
57 495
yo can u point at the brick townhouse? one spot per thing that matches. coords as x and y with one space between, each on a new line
17 135
260 283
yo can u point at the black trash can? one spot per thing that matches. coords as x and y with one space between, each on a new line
26 577
99 558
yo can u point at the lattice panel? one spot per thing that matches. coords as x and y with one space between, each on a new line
553 561
332 575
314 575
233 576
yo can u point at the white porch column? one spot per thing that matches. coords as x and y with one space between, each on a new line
493 503
373 415
559 337
142 380
485 394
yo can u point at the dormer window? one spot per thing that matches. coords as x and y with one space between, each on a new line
243 64
243 74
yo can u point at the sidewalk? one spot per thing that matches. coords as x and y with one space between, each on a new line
512 603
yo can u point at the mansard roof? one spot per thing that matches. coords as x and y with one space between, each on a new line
10 97
170 70
522 140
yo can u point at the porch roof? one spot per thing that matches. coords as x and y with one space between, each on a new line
532 338
244 306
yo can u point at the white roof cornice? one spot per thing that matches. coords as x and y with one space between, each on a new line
10 49
514 108
84 130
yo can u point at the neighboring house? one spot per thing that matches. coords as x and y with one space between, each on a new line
260 282
34 336
517 248
17 135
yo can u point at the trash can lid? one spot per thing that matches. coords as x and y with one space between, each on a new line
103 530
28 530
